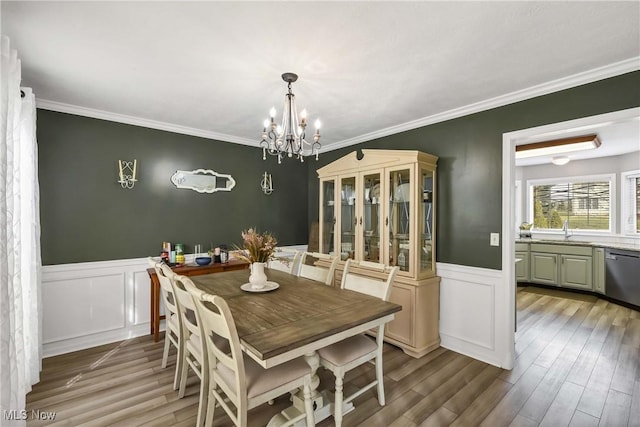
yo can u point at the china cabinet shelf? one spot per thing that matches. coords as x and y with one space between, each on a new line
387 215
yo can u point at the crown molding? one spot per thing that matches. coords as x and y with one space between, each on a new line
139 121
601 73
607 71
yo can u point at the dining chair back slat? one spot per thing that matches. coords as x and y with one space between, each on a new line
288 263
366 284
316 272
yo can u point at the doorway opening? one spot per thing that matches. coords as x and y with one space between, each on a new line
509 225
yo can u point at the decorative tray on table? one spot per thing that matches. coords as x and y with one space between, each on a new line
270 286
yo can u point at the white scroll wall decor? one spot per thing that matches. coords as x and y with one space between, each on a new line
127 173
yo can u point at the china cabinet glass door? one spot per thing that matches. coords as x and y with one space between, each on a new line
426 225
328 213
348 219
400 192
371 217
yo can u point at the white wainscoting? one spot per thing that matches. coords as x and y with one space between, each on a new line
96 303
93 303
473 314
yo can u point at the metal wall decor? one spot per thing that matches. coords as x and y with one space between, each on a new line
266 184
127 173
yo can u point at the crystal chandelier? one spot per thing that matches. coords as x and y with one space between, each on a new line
288 139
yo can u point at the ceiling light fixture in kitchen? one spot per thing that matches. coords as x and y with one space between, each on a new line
288 139
557 146
560 160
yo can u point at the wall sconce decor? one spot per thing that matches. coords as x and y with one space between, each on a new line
267 184
127 173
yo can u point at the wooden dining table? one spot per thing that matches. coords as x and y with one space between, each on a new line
295 320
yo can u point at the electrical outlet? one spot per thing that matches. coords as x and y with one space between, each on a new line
494 239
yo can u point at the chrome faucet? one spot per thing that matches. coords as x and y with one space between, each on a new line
565 228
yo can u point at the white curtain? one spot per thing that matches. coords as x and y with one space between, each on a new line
20 262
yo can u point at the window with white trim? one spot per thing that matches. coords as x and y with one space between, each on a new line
631 202
586 203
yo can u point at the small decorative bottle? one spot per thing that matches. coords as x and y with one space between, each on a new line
402 262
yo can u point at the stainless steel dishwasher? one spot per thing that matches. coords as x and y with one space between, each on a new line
622 280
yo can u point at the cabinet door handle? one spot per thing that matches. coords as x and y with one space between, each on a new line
386 221
355 221
360 220
334 221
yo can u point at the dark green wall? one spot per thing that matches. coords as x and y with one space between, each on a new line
87 216
470 164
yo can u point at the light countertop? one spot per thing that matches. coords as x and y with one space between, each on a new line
612 245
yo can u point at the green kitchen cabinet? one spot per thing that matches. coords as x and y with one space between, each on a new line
544 268
575 272
522 266
569 266
598 270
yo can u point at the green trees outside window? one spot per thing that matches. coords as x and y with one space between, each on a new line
586 205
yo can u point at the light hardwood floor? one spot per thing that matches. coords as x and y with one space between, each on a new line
578 364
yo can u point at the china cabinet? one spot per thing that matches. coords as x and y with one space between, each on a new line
380 207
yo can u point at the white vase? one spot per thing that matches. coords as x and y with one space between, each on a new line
258 278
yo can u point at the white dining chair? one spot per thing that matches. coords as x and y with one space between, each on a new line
372 279
173 322
193 355
317 272
286 261
234 376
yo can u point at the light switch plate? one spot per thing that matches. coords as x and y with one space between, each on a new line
494 239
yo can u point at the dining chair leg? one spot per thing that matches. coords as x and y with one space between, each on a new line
308 405
167 343
211 410
337 410
183 379
203 402
380 379
177 376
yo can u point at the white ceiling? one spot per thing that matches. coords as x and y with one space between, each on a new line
366 69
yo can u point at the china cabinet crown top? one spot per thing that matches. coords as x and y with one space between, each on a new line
374 158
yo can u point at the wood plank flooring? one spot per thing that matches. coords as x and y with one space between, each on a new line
578 364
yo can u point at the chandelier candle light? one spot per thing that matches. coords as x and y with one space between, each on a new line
288 139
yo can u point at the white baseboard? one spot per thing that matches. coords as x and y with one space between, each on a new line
94 340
